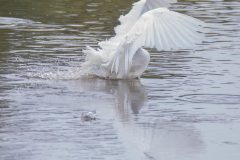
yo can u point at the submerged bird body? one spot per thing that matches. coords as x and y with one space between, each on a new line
149 24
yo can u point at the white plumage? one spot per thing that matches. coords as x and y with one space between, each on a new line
149 24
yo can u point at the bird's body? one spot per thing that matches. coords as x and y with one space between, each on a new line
148 24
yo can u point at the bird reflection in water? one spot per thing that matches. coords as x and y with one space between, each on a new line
130 97
143 133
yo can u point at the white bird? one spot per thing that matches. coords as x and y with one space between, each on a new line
148 24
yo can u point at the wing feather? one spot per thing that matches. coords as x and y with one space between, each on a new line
173 30
188 33
127 21
159 28
138 9
176 35
172 38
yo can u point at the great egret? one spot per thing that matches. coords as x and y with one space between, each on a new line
148 24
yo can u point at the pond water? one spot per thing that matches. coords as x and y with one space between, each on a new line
186 105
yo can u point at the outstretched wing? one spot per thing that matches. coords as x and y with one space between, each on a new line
138 9
161 29
165 30
128 21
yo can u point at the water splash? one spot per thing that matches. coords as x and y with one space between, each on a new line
71 74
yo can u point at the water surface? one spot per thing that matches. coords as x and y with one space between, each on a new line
186 106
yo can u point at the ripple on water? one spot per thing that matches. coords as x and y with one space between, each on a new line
211 98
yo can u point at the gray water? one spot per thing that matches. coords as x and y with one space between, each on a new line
185 107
